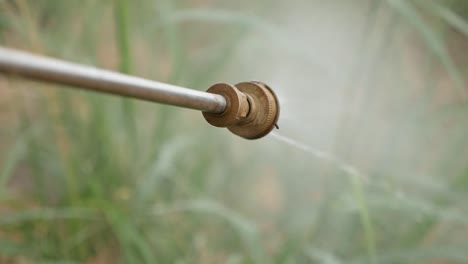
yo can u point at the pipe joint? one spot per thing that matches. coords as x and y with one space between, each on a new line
252 109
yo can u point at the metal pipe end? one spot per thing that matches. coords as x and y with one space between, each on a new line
252 109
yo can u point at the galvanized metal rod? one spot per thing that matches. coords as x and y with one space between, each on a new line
80 76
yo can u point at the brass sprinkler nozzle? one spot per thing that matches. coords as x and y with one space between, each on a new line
248 109
252 109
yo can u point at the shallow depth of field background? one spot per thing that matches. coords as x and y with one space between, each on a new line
370 164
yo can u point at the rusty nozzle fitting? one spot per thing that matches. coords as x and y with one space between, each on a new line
252 109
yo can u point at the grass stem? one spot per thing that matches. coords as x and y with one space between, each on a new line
123 40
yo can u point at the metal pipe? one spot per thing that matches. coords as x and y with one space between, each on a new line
248 109
104 81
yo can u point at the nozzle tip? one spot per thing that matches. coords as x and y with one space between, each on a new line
252 110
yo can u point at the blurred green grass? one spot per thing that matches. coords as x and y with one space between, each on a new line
88 178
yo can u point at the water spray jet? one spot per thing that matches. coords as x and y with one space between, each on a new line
248 109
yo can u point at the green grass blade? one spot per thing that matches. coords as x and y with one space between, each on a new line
450 17
123 39
246 229
366 221
434 42
46 214
173 39
132 243
8 248
433 254
14 156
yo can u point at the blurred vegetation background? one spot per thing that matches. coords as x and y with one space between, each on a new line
377 86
